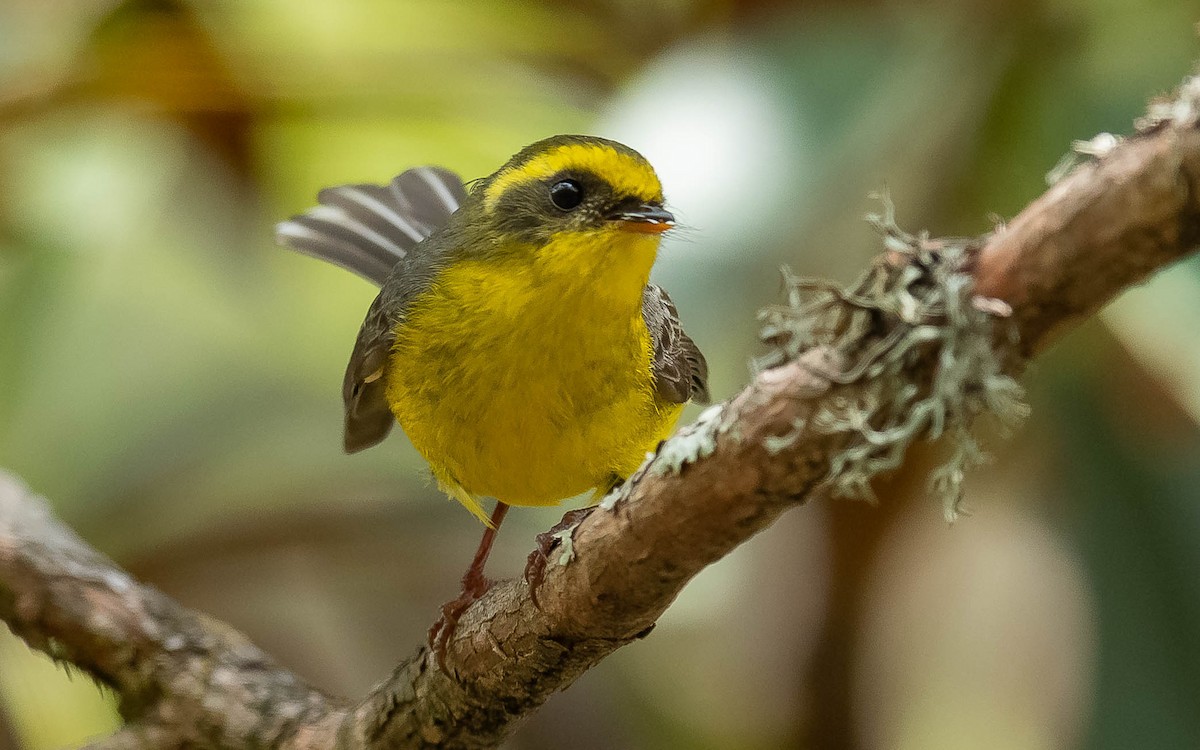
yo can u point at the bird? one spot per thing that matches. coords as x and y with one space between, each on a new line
516 337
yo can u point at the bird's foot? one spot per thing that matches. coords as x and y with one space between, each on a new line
558 536
474 587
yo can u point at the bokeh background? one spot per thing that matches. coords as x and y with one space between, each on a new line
171 379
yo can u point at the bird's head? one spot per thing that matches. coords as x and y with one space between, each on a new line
576 201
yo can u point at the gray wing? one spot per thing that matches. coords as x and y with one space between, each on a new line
680 371
369 229
364 398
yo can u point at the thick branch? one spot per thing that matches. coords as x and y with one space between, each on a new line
187 680
1102 229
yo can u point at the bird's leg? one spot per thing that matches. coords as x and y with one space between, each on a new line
535 566
474 586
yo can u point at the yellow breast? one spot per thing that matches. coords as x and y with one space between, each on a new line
528 378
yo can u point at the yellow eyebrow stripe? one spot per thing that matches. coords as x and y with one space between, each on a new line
627 175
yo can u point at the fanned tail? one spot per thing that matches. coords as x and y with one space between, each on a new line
367 228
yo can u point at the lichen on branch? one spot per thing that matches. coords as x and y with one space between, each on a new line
915 303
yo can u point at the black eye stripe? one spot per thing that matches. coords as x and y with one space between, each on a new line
566 194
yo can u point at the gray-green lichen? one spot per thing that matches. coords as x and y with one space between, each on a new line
694 442
1098 147
915 304
1182 110
697 441
566 540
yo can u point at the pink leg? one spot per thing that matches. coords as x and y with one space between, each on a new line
474 586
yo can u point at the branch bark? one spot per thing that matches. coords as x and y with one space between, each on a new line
187 680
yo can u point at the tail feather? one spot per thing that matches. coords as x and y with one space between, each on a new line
335 244
366 229
427 191
374 206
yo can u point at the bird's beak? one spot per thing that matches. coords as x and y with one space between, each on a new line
647 218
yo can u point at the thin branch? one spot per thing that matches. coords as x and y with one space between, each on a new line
186 680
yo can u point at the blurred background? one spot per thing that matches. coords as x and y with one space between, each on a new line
171 379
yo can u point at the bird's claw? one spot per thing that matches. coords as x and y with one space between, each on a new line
547 541
443 630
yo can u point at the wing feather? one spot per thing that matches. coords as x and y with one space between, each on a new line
680 370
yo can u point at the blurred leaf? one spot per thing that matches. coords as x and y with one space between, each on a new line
1137 532
1158 325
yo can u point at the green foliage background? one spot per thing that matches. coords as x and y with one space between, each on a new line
170 379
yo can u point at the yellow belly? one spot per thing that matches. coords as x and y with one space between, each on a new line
515 387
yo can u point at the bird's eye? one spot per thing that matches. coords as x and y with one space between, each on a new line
566 194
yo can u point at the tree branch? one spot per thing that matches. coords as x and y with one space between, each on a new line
187 680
